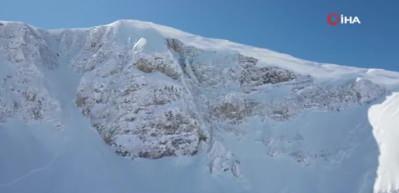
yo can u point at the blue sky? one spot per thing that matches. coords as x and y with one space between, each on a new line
295 27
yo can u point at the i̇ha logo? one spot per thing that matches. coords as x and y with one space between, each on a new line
334 19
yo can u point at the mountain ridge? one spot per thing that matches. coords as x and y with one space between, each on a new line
197 40
155 95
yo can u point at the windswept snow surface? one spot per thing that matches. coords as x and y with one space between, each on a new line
384 118
137 107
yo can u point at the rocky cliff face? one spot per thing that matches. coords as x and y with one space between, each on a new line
151 95
22 92
154 104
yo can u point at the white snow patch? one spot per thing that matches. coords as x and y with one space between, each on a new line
139 45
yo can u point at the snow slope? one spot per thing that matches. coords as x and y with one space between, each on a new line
385 120
137 107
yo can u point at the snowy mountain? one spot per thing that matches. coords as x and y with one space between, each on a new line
137 107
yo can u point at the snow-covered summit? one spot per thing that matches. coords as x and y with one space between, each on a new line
238 114
323 70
